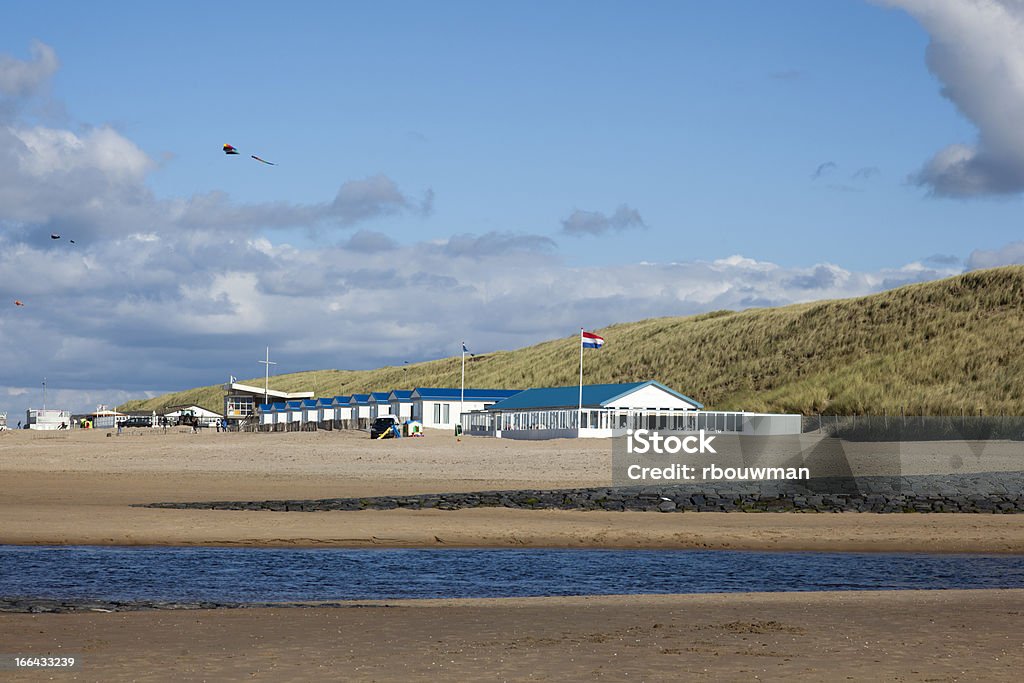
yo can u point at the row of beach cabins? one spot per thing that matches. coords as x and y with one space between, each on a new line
434 408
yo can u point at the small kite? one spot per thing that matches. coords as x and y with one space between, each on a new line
54 236
228 149
18 303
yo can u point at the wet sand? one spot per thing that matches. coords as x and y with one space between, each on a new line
885 635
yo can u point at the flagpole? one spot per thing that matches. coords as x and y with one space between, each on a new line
579 416
462 394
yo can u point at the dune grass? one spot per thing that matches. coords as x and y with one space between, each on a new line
936 348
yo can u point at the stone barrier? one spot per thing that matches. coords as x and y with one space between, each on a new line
991 492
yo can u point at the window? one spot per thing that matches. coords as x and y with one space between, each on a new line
446 413
437 413
239 406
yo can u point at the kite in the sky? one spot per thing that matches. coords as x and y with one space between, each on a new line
228 149
18 303
54 236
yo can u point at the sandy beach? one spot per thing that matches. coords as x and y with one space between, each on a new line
861 636
77 488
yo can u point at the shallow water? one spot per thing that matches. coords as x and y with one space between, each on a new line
271 574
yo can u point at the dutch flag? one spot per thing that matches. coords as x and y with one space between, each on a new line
591 340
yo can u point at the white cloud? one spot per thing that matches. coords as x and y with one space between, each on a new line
20 78
977 51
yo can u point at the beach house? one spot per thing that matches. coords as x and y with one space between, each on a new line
439 408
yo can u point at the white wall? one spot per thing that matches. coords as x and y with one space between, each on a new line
402 410
651 397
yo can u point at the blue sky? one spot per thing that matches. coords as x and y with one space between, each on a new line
675 157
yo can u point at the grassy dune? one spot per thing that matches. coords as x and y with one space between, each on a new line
935 348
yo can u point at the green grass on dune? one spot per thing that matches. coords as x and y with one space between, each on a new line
935 348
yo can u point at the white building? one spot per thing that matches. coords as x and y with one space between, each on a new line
379 404
207 418
612 409
47 419
293 412
310 411
360 406
438 408
240 400
401 404
342 407
325 410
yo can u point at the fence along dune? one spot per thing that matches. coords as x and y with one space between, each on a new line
939 348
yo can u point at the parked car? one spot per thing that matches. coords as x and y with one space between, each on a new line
138 421
385 424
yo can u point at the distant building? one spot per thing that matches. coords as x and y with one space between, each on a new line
105 418
240 400
207 418
47 419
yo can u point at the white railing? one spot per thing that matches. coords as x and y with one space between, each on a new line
605 419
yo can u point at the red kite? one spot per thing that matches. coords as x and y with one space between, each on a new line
228 149
18 303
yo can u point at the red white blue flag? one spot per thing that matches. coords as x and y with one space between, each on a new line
591 340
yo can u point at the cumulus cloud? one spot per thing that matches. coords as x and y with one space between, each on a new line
597 223
977 51
20 78
1010 254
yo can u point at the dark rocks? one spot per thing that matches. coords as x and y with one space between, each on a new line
992 492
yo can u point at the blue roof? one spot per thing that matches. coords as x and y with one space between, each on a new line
360 399
264 407
294 405
594 396
279 406
445 394
380 396
342 399
400 395
309 403
325 401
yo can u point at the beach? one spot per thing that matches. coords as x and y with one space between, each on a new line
79 488
884 635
